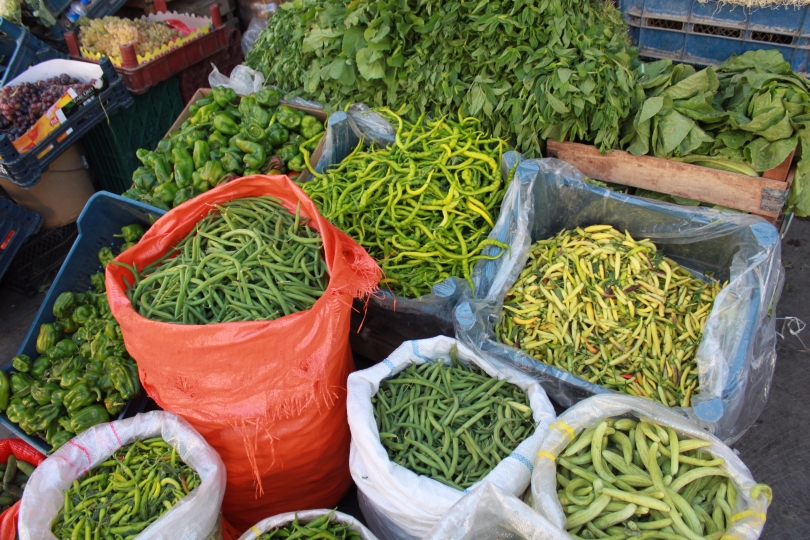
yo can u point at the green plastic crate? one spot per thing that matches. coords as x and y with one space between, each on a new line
110 147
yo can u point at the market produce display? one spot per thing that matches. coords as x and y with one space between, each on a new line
422 207
84 375
322 527
528 70
453 423
627 478
15 475
105 36
21 105
123 495
615 311
249 260
226 137
745 116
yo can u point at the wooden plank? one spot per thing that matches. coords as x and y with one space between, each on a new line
760 196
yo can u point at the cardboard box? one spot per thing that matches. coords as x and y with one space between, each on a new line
317 113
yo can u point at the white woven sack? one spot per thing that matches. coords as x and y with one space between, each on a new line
749 513
398 503
195 517
305 516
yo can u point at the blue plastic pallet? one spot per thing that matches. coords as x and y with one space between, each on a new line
102 217
16 224
708 33
21 50
25 170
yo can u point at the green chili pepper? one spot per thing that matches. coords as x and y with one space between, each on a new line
131 233
202 153
5 390
204 114
183 167
225 124
105 256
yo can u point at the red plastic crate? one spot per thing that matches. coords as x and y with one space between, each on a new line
139 79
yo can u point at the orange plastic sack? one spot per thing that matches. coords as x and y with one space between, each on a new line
269 396
24 451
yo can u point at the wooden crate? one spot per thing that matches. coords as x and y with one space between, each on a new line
764 196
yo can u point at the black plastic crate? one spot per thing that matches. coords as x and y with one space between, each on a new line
16 224
20 50
39 259
110 146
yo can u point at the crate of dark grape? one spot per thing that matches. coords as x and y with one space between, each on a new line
48 108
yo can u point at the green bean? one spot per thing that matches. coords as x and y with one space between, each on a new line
324 527
444 421
653 492
235 266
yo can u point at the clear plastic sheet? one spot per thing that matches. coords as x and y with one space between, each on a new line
255 28
243 80
195 517
749 513
737 354
398 503
305 516
490 512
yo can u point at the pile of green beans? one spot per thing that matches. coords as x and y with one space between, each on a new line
123 495
633 479
15 476
422 207
323 527
453 423
248 260
612 310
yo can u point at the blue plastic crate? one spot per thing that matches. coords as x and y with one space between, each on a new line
101 219
708 33
21 50
16 224
25 170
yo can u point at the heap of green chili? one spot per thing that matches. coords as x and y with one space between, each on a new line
249 259
423 206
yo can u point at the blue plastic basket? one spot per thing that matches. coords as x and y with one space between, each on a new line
25 170
102 217
708 33
16 224
21 50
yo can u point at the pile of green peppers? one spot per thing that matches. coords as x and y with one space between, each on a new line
84 375
225 137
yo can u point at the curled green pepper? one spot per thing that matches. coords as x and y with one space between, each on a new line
225 124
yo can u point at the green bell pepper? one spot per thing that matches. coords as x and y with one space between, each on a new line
225 124
183 167
255 155
134 193
166 192
43 416
234 113
59 438
287 152
27 419
268 97
258 116
60 367
114 403
185 194
231 162
297 163
124 379
20 382
64 422
94 371
40 366
48 336
198 183
97 280
58 396
144 178
85 313
42 393
131 233
125 246
277 135
81 395
251 172
85 350
70 378
105 255
192 137
217 140
28 401
64 305
289 117
201 154
5 390
211 172
15 410
156 163
22 363
204 114
310 126
253 132
63 349
69 325
296 140
88 417
223 95
245 104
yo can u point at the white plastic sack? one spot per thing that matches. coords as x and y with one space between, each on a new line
195 517
737 352
490 512
243 80
305 516
397 502
749 513
255 28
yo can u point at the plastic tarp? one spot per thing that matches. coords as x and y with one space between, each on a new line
397 502
750 511
306 516
737 353
195 517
